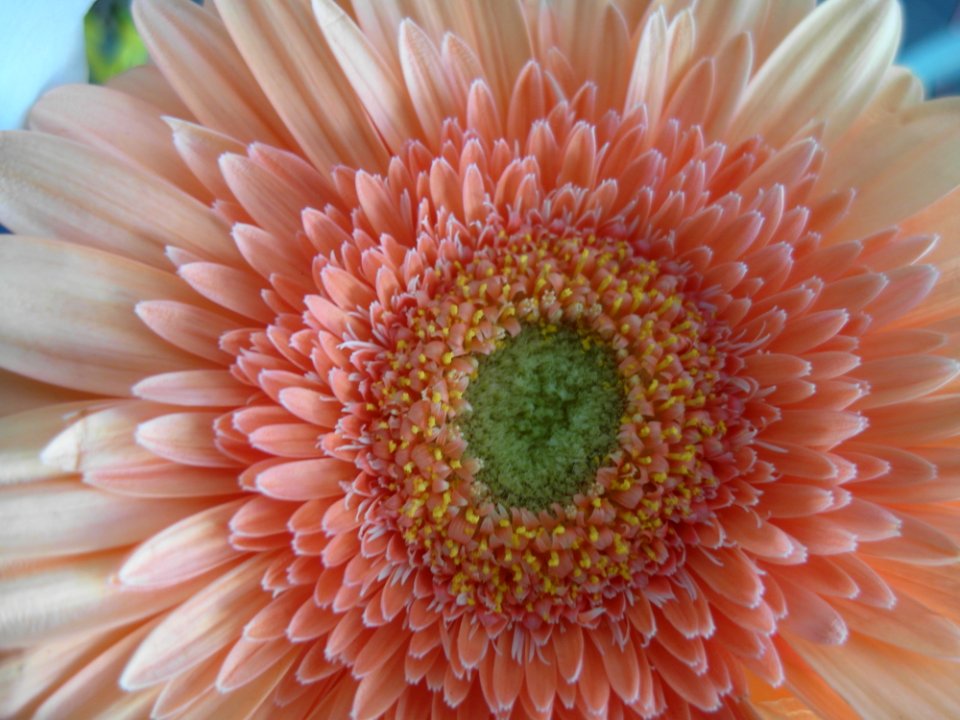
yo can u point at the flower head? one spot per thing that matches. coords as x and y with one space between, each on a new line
485 359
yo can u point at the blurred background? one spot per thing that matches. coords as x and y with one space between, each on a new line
931 44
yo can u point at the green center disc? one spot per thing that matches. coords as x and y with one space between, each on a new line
546 409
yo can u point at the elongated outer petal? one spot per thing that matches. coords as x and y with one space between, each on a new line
883 681
57 187
147 83
24 435
374 80
21 394
63 517
195 53
186 438
28 673
207 622
289 56
200 388
898 166
184 550
102 439
827 68
106 119
66 316
93 691
37 605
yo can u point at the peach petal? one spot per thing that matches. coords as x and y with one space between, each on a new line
311 406
73 598
102 438
200 149
755 535
192 49
62 517
228 287
201 388
92 692
306 479
255 695
147 83
915 422
472 644
97 116
818 428
265 254
430 93
293 440
249 659
379 690
622 666
310 622
699 692
272 621
164 479
21 394
23 436
909 625
186 438
289 56
819 574
261 516
593 687
799 461
345 290
185 688
729 572
810 332
182 551
273 203
78 334
811 617
101 202
28 674
648 77
918 157
908 287
880 680
187 327
568 645
820 535
845 49
199 627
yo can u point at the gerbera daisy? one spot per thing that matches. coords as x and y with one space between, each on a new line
479 359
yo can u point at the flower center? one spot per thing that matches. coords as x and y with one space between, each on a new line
546 408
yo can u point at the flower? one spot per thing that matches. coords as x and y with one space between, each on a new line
484 359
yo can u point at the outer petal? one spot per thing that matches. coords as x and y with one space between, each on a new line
66 316
52 186
827 69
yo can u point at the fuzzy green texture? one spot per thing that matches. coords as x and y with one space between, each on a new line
546 410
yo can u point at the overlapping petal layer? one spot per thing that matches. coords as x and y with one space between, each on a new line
267 303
